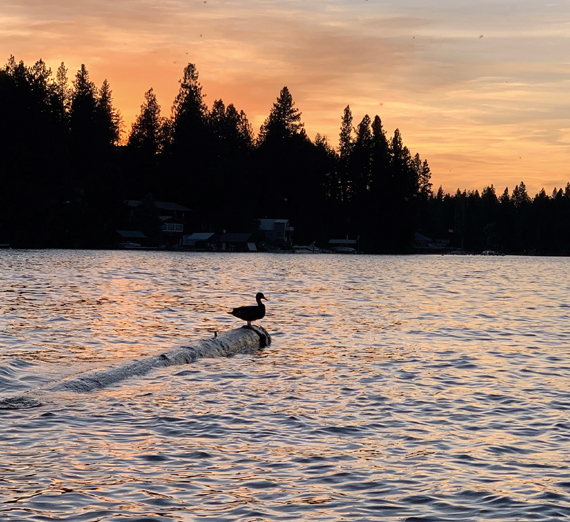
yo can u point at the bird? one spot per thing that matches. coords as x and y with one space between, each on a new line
251 313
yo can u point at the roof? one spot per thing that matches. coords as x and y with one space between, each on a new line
343 241
163 205
131 233
269 224
421 237
168 205
234 237
199 236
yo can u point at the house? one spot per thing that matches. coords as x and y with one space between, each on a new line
171 225
279 230
172 217
236 242
201 241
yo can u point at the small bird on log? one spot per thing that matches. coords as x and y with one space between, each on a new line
251 313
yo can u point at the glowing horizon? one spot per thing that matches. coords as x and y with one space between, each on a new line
480 90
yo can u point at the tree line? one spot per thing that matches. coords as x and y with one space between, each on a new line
66 174
509 223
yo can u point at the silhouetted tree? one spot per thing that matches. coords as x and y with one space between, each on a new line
284 120
190 140
345 147
490 212
146 131
83 112
32 147
404 189
281 160
189 110
362 159
62 162
381 183
148 138
227 182
62 93
108 118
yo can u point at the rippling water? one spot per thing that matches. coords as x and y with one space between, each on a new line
396 388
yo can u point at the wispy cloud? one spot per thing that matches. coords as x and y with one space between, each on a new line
478 88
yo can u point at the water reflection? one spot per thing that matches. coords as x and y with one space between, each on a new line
397 388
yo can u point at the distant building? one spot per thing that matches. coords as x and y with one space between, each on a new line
240 242
171 224
172 217
277 229
201 241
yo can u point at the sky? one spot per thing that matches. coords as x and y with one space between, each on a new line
480 89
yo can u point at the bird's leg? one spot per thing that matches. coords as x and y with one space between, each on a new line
249 323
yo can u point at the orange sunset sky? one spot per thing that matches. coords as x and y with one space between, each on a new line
481 89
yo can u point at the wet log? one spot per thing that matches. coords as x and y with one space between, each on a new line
247 339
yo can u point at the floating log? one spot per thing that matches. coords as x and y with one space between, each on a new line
247 339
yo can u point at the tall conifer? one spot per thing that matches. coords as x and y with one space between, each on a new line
284 120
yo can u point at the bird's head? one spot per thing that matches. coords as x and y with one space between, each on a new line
260 296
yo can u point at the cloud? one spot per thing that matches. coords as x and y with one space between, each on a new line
468 83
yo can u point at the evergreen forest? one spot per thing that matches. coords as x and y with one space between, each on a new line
68 167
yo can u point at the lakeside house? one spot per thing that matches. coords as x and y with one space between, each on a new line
277 230
172 225
226 242
236 242
201 241
172 217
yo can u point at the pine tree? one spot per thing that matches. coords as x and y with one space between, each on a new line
403 195
83 112
146 130
380 174
191 144
284 120
346 140
424 182
361 162
345 147
62 94
32 143
189 110
108 118
520 197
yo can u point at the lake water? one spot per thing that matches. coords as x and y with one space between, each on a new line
421 388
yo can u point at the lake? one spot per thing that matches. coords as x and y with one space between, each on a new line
418 388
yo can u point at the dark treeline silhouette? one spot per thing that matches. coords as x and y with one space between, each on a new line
65 176
510 223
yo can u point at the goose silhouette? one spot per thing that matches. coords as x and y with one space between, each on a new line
251 313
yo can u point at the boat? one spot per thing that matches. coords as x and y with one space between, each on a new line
129 245
306 249
344 246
